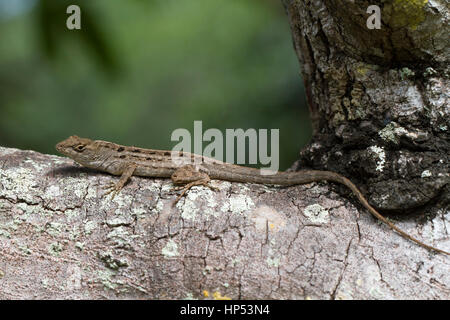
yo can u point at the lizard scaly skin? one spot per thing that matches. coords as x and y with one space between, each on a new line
191 169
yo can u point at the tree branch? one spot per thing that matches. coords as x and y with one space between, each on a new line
60 238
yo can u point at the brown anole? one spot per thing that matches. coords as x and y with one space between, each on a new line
128 161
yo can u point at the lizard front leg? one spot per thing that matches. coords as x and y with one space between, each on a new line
189 176
114 188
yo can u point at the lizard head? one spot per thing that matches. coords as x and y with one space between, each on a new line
81 150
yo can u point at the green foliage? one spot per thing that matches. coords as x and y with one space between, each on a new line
137 70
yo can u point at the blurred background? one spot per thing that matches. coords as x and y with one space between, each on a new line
139 69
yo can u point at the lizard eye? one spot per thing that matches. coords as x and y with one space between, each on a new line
79 147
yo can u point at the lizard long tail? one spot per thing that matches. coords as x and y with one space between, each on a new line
376 214
241 174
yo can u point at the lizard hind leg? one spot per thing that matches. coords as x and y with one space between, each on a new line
189 176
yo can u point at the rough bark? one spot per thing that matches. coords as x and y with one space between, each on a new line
378 98
60 238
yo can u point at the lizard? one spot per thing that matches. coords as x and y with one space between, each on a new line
193 169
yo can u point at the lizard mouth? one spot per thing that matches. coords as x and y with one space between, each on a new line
61 148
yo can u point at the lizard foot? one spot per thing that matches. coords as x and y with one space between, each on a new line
189 176
114 188
111 188
202 182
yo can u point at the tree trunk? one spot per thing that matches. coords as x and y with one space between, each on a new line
378 97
